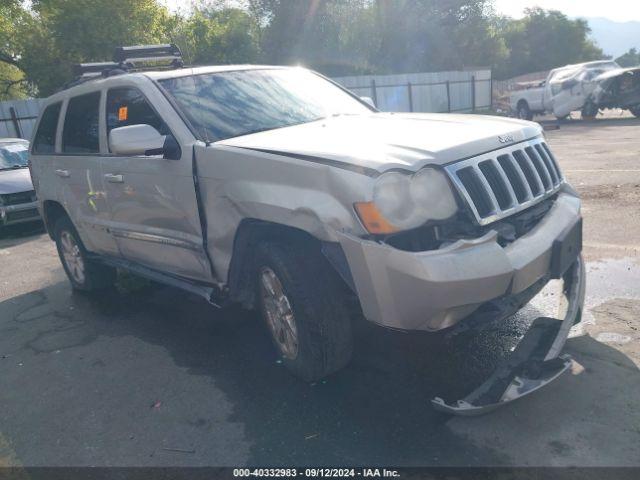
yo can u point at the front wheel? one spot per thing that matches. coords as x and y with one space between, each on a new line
635 110
303 303
524 112
589 111
84 273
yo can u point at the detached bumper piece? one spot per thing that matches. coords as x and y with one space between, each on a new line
534 363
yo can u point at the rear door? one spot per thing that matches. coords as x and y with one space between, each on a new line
43 151
154 212
76 170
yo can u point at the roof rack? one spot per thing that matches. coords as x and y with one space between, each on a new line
130 59
148 53
93 69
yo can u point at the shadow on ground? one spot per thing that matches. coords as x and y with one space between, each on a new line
157 377
15 234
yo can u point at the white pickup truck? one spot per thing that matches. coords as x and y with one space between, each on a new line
571 88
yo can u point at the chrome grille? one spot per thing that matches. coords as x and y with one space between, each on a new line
501 183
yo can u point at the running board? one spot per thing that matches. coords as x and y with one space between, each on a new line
208 292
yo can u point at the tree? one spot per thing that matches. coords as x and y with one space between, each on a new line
64 32
382 36
13 20
40 40
216 34
545 39
629 59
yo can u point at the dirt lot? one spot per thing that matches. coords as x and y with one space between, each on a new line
147 375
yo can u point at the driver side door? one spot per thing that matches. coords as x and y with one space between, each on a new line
154 214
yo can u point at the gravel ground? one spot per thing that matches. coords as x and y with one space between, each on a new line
148 375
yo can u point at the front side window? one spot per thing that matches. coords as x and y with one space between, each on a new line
45 139
229 104
13 155
80 132
127 106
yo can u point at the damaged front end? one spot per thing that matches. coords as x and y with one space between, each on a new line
535 362
619 89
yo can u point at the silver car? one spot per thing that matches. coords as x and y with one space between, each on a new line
17 195
277 189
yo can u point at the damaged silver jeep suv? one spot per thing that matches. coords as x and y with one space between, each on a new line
277 189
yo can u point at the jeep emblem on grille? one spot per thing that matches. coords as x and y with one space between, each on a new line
506 138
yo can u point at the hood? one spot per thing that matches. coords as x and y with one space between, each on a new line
15 181
382 141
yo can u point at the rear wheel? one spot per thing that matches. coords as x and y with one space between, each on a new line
84 273
524 112
303 303
635 110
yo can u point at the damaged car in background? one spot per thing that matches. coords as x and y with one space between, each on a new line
277 189
17 195
586 87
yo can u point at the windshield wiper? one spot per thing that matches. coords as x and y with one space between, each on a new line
15 167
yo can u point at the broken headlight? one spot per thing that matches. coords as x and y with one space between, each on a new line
408 201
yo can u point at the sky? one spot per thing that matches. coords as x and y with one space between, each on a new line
618 10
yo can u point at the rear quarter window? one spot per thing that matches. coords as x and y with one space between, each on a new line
45 138
81 125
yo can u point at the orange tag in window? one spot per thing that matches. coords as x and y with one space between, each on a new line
123 114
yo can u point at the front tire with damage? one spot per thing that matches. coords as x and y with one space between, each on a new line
303 303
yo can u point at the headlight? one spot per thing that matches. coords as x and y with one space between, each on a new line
408 201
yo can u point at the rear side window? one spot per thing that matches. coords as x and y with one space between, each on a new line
45 139
80 133
127 106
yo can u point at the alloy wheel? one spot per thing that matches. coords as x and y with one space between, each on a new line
72 256
278 313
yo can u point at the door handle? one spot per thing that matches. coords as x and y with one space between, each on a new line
110 177
63 173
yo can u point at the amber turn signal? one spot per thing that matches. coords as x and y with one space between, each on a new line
372 219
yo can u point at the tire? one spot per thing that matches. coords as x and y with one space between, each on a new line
84 274
524 112
563 118
589 111
635 110
318 315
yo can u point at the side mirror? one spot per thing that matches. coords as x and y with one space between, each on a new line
136 140
368 101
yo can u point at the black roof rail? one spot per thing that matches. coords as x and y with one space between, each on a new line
95 68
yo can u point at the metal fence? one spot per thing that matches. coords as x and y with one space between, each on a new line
461 91
456 91
18 117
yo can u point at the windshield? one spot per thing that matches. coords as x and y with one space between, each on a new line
229 104
13 155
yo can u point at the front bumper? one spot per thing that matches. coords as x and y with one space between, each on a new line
534 363
434 290
14 214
